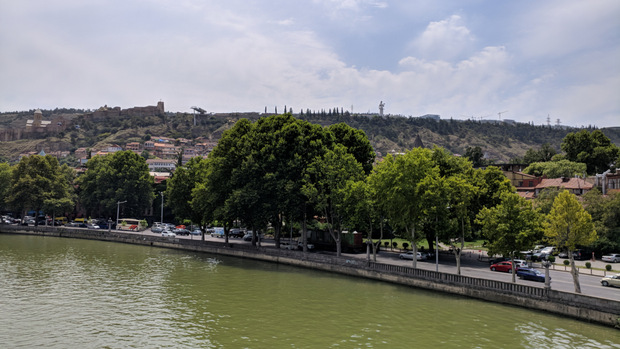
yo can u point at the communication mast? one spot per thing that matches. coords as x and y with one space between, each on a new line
199 110
501 112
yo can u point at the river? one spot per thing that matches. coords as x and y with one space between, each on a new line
70 293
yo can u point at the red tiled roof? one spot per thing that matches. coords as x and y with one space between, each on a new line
567 183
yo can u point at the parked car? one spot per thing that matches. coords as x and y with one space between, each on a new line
520 263
157 229
248 236
505 266
498 260
196 232
236 233
168 234
582 254
92 226
611 258
300 245
531 274
563 254
180 231
611 280
409 255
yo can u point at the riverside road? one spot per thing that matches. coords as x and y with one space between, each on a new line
473 264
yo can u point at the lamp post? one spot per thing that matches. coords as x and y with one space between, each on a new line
162 206
118 207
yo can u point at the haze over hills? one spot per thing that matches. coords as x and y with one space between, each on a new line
500 141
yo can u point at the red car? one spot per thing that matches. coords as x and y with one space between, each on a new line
505 266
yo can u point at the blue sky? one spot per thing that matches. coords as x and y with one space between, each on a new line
460 59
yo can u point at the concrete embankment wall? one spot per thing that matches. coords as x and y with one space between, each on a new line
591 309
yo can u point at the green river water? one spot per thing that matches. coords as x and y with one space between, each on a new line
69 293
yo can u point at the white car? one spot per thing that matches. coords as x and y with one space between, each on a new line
520 263
611 258
409 255
300 245
611 280
168 234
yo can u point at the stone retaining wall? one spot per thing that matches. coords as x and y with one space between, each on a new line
578 306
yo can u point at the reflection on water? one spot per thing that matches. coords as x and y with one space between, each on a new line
61 293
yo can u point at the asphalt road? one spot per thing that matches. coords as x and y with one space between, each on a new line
471 266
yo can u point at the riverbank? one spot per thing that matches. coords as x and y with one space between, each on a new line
578 306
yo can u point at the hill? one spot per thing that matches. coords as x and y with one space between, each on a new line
392 134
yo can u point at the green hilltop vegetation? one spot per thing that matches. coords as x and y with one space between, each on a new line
501 142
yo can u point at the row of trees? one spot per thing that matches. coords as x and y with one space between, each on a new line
280 170
584 153
41 184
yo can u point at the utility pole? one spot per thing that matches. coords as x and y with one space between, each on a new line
162 207
118 207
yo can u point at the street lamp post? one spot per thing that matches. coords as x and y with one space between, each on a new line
118 207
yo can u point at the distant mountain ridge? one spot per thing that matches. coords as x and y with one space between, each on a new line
390 134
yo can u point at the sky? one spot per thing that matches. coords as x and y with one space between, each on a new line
528 60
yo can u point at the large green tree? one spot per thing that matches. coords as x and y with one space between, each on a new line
179 191
511 226
605 212
38 182
397 184
592 148
556 169
356 143
113 178
325 184
5 183
567 226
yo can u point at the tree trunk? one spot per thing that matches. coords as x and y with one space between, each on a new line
458 252
277 228
253 236
304 233
414 248
574 272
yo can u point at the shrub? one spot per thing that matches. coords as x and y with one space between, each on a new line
608 267
395 244
405 245
566 262
588 265
551 259
386 244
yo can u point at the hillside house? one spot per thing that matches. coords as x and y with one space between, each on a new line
575 185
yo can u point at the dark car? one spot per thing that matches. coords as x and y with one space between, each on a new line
181 231
531 274
236 233
497 260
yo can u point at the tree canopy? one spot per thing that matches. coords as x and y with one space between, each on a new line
556 169
116 177
592 148
39 182
567 226
511 226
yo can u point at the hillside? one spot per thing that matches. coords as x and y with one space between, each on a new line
500 142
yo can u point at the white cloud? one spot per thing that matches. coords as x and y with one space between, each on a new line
243 56
447 39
